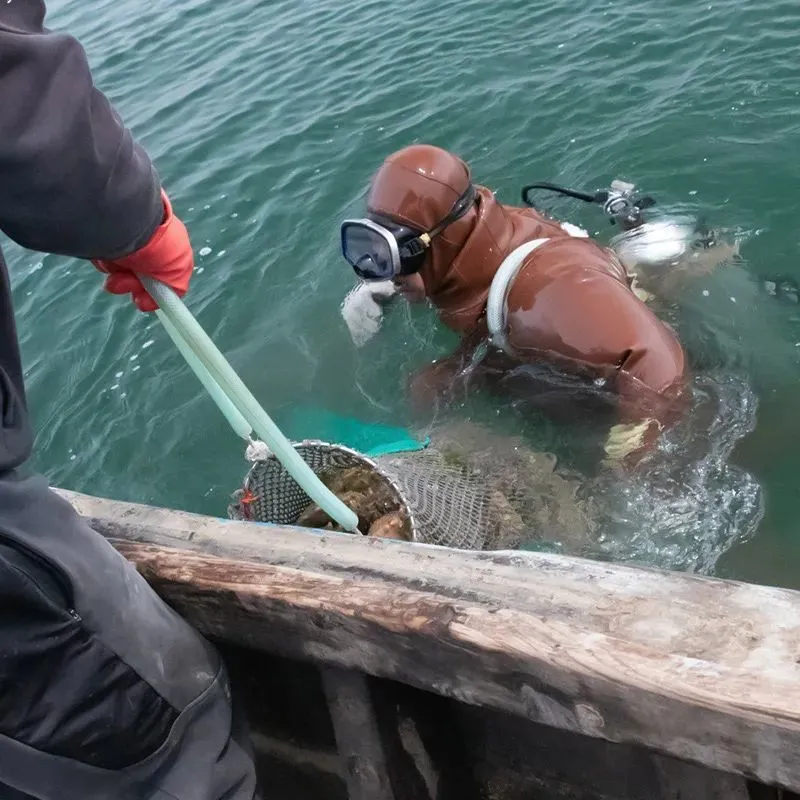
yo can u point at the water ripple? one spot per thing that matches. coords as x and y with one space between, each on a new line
266 123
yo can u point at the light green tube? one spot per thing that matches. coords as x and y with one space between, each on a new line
229 383
239 424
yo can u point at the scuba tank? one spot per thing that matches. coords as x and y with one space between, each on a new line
643 242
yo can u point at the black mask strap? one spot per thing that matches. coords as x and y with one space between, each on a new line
419 244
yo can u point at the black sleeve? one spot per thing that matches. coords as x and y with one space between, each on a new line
72 179
49 659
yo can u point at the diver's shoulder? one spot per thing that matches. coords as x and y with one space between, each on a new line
569 257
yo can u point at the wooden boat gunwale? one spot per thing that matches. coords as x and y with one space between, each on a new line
698 669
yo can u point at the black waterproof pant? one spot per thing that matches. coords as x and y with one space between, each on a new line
105 692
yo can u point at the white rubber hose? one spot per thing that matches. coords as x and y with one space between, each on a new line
249 411
498 292
239 424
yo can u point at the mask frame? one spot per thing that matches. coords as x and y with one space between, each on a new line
401 255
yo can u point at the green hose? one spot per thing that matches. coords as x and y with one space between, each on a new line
239 424
234 399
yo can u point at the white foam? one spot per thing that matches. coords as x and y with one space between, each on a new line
204 251
687 504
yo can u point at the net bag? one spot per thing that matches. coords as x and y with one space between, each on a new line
466 490
444 505
270 494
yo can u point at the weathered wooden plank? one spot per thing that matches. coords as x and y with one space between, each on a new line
358 739
522 759
681 781
703 670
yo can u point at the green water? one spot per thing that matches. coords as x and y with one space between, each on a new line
266 122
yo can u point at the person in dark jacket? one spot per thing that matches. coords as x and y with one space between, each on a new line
104 691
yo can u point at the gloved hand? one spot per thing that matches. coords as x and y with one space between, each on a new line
627 443
167 257
362 309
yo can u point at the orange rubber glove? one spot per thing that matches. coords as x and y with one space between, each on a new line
167 257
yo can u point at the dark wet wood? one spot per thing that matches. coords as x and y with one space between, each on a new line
701 670
358 737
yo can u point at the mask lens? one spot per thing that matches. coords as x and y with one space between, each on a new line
367 251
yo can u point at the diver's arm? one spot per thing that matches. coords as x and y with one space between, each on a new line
433 384
649 383
441 381
590 318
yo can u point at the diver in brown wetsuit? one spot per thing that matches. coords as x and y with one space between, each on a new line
539 291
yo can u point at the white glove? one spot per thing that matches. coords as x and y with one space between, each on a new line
362 309
624 439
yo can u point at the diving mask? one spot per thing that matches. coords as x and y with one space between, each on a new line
378 249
